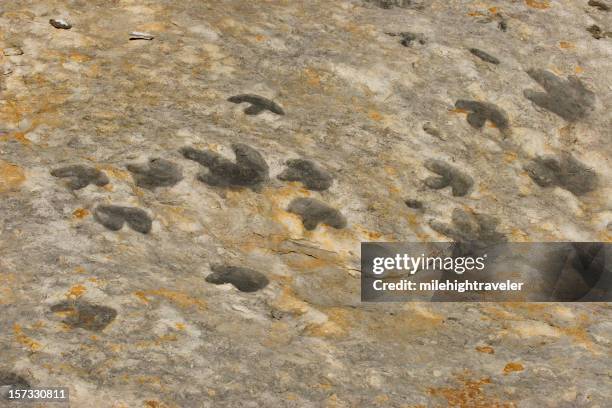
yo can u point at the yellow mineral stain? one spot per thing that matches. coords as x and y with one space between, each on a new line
566 45
11 176
290 303
76 292
513 367
80 213
312 77
24 340
469 394
375 116
510 157
485 349
578 70
78 57
179 298
538 4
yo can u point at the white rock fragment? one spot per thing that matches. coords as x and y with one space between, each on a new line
137 35
60 24
12 51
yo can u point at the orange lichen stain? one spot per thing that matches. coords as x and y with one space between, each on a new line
390 170
469 395
458 110
79 269
260 38
312 77
179 298
375 116
180 326
76 292
152 404
80 213
381 399
78 57
566 45
510 157
578 70
289 302
513 367
115 172
20 137
475 14
493 10
24 340
485 349
538 4
11 176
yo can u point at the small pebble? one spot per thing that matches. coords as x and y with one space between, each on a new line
60 24
12 52
137 35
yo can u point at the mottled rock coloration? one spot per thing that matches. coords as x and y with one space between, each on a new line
283 135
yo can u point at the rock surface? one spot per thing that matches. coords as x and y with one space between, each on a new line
128 320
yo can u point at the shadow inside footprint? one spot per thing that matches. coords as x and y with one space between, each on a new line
156 173
480 112
314 212
85 315
114 217
243 279
80 176
250 168
459 181
258 104
564 171
308 173
569 99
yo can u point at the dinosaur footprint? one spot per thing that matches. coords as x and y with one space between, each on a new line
80 176
250 168
85 315
243 279
156 173
470 231
569 99
449 175
480 112
313 212
258 104
114 216
563 171
308 173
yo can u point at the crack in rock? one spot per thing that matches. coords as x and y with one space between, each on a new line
258 104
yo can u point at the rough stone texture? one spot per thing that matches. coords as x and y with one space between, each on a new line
358 102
